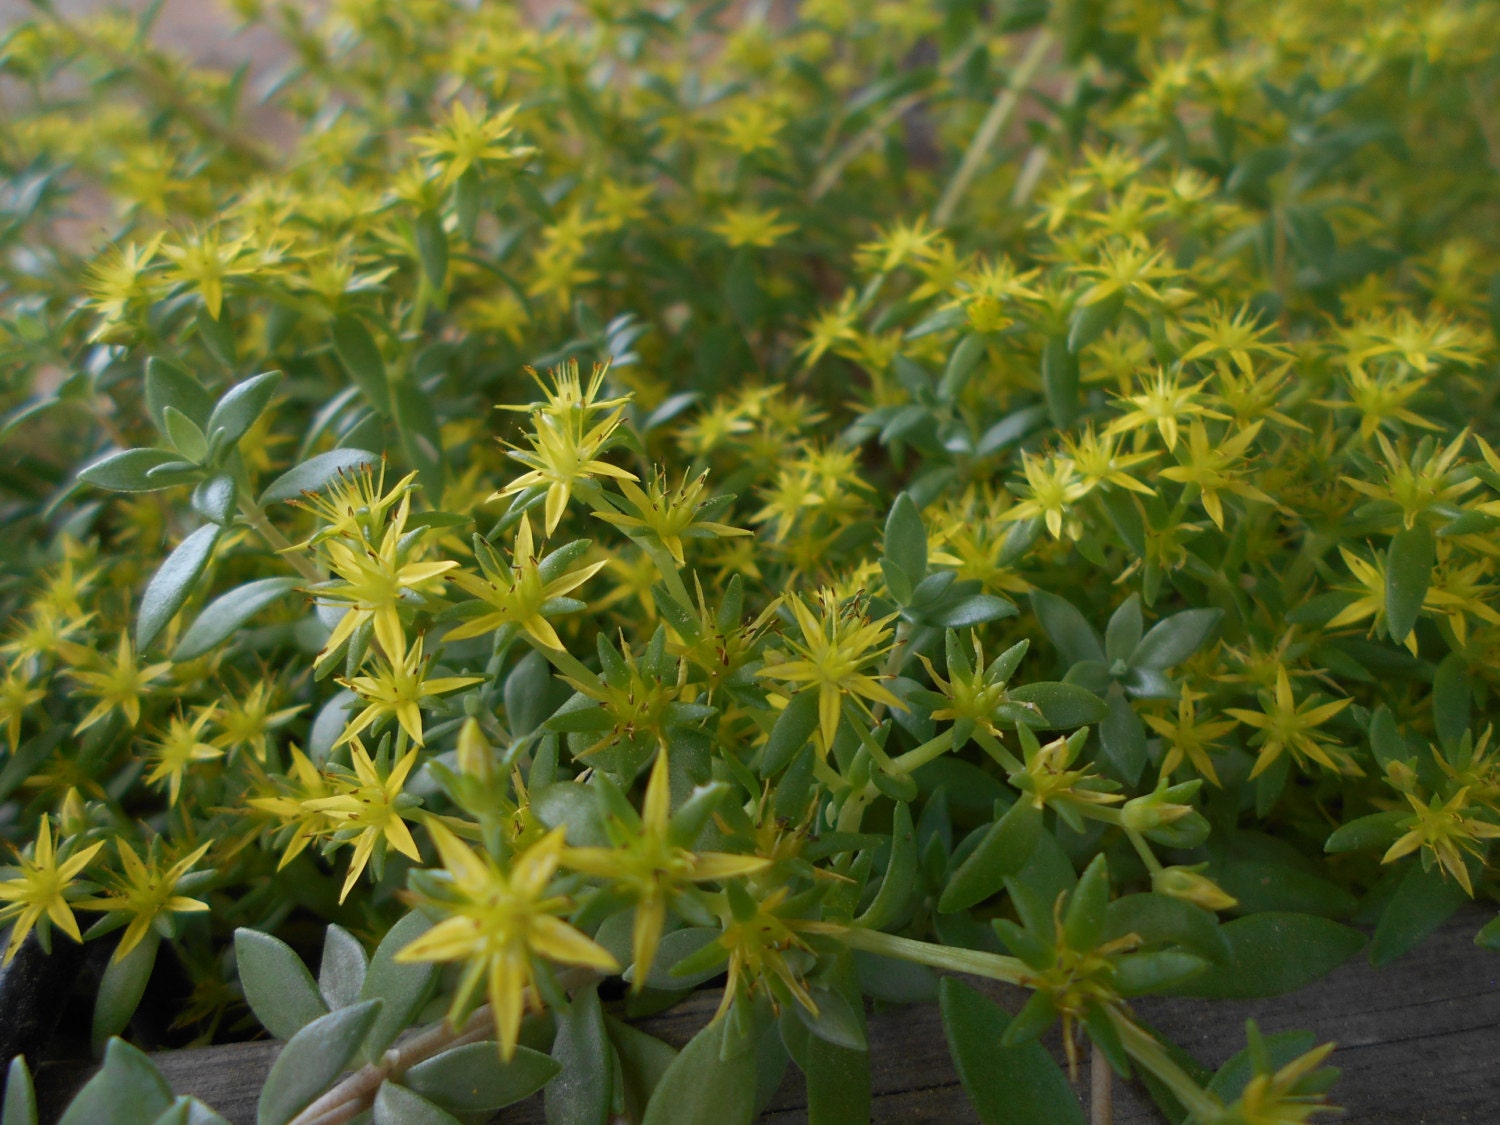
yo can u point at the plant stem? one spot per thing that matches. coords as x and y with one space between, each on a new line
866 138
1101 1096
994 121
893 663
855 805
355 1094
255 516
1011 970
1202 1106
1142 849
930 750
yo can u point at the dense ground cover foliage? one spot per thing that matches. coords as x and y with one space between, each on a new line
811 496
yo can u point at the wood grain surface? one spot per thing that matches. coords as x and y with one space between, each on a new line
1418 1043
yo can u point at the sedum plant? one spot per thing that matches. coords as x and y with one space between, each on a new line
793 499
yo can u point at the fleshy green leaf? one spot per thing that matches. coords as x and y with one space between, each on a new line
965 613
341 974
1451 694
961 366
127 471
1123 633
173 583
644 1059
838 1083
1004 851
1160 920
1089 322
837 1020
121 988
184 435
1408 572
402 987
127 1090
361 358
311 1060
893 902
169 385
214 498
1062 706
1122 736
1423 901
316 474
278 987
700 1088
580 1094
1488 936
241 405
226 613
1173 639
1018 1085
1060 375
1378 830
1275 953
20 1095
793 727
905 541
396 1105
1067 628
432 247
472 1078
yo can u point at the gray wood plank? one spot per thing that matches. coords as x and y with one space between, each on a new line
1419 1044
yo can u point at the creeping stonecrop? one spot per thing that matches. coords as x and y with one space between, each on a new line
535 505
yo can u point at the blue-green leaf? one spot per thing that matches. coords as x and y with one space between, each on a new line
129 469
701 1088
1408 572
1173 639
311 1060
20 1095
226 613
1066 628
402 987
341 973
396 1105
316 474
173 583
241 405
121 989
127 1090
277 985
1274 953
580 1094
361 358
473 1077
1018 1085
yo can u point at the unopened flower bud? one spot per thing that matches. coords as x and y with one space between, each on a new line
1187 884
1401 776
476 757
1153 810
72 817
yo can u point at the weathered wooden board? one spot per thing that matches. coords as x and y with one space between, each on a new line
1419 1044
